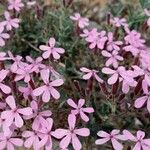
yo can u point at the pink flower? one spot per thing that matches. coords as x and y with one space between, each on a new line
126 84
135 42
48 89
51 50
36 64
54 73
98 40
4 127
32 139
17 62
6 89
141 143
147 12
24 72
3 56
90 73
113 45
15 113
139 102
88 35
10 23
15 4
119 22
134 38
46 135
3 36
70 135
8 142
114 136
27 92
145 76
115 74
114 57
82 22
79 109
39 117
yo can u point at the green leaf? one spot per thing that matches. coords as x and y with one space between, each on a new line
142 3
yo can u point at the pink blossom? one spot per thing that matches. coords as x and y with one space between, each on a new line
27 92
145 76
88 35
129 81
3 36
139 102
79 109
4 127
90 73
98 40
147 12
46 135
6 89
15 4
32 139
114 57
82 22
54 74
17 62
15 112
144 58
24 72
39 117
120 71
47 90
3 56
141 143
113 45
134 38
119 22
8 142
9 22
135 42
114 136
51 50
70 135
36 64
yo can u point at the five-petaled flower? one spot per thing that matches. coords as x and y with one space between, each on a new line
70 135
141 143
82 22
119 22
79 109
15 113
51 50
139 102
90 74
10 22
15 5
111 44
9 142
114 57
114 136
48 89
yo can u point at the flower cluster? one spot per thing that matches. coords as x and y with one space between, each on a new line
29 85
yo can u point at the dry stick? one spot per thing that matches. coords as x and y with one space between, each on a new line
32 46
